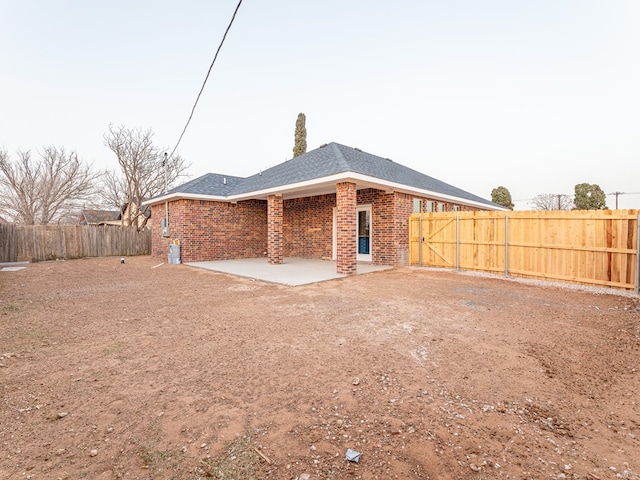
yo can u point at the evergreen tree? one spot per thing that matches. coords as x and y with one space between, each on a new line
502 196
300 138
590 197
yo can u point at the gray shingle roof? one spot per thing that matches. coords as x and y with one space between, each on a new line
209 184
331 159
93 216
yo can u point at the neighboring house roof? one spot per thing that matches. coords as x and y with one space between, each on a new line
145 209
99 216
317 172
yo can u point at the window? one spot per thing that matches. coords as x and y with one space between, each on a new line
430 205
417 205
441 207
456 208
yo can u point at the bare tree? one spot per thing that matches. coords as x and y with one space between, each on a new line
114 189
142 172
34 192
552 201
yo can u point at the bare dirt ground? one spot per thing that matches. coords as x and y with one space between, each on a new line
112 371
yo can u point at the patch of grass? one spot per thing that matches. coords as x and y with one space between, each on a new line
12 308
237 461
157 460
114 348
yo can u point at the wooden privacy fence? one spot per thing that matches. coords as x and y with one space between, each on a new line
8 245
52 242
593 247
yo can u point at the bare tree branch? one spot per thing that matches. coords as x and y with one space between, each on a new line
46 190
142 171
113 189
552 201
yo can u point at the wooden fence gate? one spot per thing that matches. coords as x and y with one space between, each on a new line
594 247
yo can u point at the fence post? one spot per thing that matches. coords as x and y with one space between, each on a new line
637 282
457 242
506 245
420 239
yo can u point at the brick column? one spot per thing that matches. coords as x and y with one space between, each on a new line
346 225
274 229
403 206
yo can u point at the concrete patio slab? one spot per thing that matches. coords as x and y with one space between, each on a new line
294 271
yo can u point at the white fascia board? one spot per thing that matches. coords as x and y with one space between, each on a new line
365 180
358 178
442 196
294 187
180 196
399 187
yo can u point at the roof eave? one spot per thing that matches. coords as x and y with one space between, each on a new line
363 181
171 197
316 184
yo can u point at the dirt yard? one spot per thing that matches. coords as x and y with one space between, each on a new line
113 370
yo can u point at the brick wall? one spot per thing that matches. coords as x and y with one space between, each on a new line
220 231
403 207
212 230
381 224
308 227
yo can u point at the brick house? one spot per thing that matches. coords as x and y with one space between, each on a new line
335 203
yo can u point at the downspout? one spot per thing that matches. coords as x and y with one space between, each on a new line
166 202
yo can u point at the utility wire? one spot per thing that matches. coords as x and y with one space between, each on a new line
616 194
206 78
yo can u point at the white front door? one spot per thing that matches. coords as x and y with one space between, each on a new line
364 233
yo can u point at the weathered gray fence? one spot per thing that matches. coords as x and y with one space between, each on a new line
8 244
53 242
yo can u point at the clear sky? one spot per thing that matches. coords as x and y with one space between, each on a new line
536 96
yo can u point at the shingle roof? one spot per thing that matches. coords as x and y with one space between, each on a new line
98 216
328 160
210 184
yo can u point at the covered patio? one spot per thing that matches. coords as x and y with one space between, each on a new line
333 203
293 271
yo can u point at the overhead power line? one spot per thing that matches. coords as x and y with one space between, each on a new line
206 78
617 194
